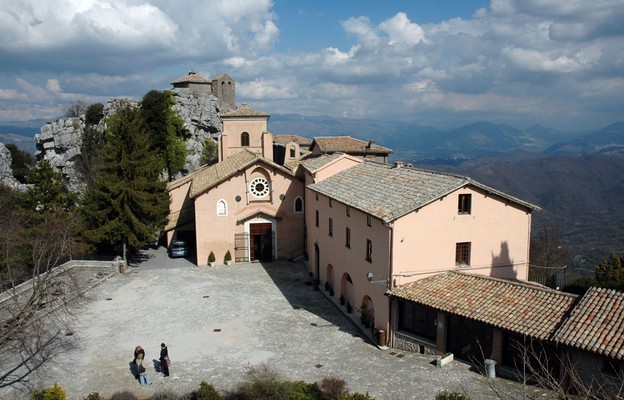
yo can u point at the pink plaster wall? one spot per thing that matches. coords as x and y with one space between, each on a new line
216 233
257 140
499 233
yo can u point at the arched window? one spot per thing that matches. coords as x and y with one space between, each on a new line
244 139
221 208
298 205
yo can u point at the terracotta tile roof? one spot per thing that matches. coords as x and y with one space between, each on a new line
285 139
347 144
596 324
312 162
191 77
388 192
244 111
523 308
206 178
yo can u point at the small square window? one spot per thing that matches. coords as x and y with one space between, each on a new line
369 220
369 250
464 204
331 227
462 254
348 238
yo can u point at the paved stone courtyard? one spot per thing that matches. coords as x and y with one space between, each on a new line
219 321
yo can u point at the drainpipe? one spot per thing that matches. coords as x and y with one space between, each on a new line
389 283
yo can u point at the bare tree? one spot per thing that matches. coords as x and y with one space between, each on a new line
538 367
75 109
35 314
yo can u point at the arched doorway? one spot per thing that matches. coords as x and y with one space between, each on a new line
346 290
367 312
329 279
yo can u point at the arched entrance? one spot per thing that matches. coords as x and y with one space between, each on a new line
367 312
261 239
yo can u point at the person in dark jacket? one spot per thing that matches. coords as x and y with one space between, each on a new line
164 359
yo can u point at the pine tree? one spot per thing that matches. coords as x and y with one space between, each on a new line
127 204
610 270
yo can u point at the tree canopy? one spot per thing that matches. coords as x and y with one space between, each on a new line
166 130
127 203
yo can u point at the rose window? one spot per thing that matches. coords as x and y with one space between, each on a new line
259 187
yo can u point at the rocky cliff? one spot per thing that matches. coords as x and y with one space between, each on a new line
6 173
59 141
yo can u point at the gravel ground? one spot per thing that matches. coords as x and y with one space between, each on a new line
219 321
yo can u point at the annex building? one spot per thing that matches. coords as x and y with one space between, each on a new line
424 261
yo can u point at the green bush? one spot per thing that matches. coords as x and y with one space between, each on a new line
207 392
54 392
125 395
355 396
301 390
94 396
165 395
262 383
446 395
228 256
331 388
211 257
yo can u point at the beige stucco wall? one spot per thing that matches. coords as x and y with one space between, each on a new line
423 243
499 233
216 233
351 261
258 137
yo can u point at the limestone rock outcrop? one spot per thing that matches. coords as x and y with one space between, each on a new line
59 141
6 172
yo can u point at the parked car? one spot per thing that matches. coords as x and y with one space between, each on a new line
179 248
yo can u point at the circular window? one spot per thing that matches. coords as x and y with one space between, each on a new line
259 187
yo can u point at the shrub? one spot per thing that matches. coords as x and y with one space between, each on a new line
228 256
125 395
301 390
94 396
54 392
262 383
211 257
446 395
207 392
165 395
331 387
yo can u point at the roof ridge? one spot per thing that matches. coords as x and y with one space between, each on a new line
515 282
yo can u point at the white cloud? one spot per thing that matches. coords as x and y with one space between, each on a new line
401 31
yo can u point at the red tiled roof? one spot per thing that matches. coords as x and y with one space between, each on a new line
596 324
285 139
191 77
347 144
523 308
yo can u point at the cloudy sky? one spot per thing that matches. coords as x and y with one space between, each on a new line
559 63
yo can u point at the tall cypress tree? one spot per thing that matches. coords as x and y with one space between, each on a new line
127 204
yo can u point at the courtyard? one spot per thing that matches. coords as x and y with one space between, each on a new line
219 321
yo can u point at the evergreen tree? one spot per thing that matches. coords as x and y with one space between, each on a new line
209 152
127 204
46 191
610 270
21 162
166 130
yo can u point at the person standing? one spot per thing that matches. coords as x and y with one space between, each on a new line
139 356
164 359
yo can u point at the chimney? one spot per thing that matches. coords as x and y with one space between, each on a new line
370 144
399 164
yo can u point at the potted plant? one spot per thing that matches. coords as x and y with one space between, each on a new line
211 259
342 300
349 309
331 291
228 258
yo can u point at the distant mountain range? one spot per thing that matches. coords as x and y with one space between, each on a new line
576 178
